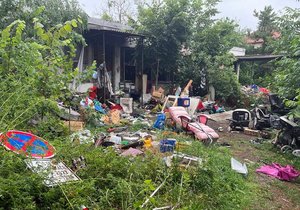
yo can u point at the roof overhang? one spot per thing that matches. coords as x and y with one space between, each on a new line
257 58
109 26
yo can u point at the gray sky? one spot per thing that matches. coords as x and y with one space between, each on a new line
239 10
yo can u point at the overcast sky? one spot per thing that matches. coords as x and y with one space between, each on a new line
239 10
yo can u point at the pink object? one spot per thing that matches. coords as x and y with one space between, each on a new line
176 112
264 90
132 152
200 130
202 118
286 173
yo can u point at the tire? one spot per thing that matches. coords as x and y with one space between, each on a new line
286 149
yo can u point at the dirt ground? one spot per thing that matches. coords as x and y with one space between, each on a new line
271 193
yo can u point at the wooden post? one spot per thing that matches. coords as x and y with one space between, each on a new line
157 70
238 67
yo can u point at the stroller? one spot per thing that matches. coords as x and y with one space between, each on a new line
240 119
288 139
277 105
262 119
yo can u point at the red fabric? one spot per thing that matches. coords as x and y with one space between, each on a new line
200 106
93 92
116 106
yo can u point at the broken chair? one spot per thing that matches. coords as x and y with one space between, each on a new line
199 128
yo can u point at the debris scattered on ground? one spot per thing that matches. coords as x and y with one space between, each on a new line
285 173
82 137
132 152
238 166
55 173
257 141
68 113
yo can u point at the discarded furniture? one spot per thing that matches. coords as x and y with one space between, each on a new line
240 119
277 105
200 130
170 99
262 119
288 139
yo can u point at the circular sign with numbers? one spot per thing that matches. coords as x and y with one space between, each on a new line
26 143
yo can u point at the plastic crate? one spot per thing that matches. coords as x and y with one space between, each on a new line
185 102
167 145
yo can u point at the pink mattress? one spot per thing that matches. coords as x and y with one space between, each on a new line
198 128
177 111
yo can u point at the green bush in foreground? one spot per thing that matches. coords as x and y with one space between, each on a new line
114 182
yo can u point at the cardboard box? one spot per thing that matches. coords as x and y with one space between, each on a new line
157 94
74 125
161 90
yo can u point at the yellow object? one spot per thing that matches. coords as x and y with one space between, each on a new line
148 142
115 117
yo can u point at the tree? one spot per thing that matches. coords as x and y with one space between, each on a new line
166 27
56 12
287 74
34 70
266 18
266 26
118 10
210 63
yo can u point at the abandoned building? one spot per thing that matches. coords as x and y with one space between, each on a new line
116 45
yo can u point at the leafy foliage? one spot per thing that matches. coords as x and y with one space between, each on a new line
115 182
287 74
209 63
34 71
50 12
166 28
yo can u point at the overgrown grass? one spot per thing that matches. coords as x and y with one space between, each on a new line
114 182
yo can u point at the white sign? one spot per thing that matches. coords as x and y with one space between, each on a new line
126 104
54 174
237 51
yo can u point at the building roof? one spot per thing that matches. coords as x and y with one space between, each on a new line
254 41
99 24
257 57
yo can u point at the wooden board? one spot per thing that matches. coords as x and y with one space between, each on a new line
251 132
74 125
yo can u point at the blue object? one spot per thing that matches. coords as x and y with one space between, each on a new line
185 102
167 145
98 107
160 121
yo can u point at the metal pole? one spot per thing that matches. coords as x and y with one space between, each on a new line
142 69
104 66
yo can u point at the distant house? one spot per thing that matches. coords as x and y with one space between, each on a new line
256 43
113 43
